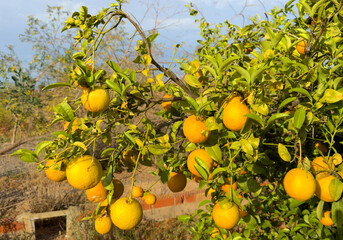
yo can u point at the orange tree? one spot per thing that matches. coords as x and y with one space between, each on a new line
259 107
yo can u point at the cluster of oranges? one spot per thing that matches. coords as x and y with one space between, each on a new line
301 185
225 213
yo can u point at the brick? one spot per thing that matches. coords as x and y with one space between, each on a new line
12 227
145 206
164 202
189 198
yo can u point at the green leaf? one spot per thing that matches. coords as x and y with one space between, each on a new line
211 70
211 124
192 102
26 155
253 185
184 218
302 91
106 138
218 170
107 152
319 210
246 147
80 145
213 61
202 172
214 152
123 75
244 73
331 96
256 118
337 212
204 202
41 146
299 118
202 164
114 66
275 117
227 62
130 138
336 189
192 81
55 85
283 152
152 37
286 101
114 86
157 149
64 109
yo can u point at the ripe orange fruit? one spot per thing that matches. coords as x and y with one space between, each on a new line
194 130
301 47
200 153
321 147
95 100
53 172
177 182
225 187
103 224
318 164
233 115
167 105
118 188
215 232
231 99
97 193
130 157
74 127
149 199
322 187
299 184
126 213
225 214
137 192
84 172
326 220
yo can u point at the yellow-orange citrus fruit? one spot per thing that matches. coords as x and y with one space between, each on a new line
103 224
84 172
95 100
321 147
74 127
233 115
322 188
215 232
167 105
149 199
301 47
118 188
326 219
137 192
200 153
225 214
177 182
97 193
231 99
52 171
318 164
225 187
299 184
126 213
193 130
130 157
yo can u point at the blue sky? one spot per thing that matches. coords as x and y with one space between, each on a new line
176 26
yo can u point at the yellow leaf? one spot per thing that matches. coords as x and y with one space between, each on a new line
146 72
147 59
150 80
159 76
